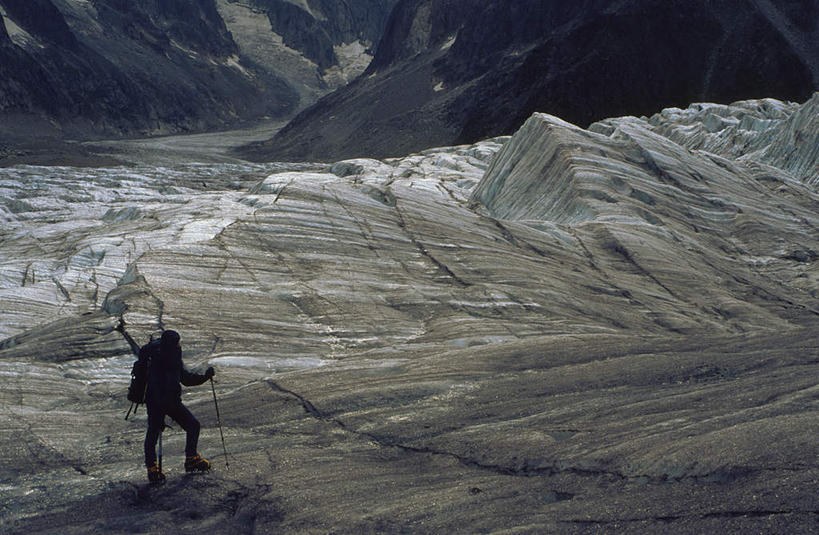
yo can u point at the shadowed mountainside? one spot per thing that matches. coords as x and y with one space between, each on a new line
89 69
570 331
316 45
457 71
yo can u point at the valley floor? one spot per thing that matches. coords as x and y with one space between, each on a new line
209 147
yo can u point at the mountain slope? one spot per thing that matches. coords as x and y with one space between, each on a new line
77 68
458 71
316 45
109 67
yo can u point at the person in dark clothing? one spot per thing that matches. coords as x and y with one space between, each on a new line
163 397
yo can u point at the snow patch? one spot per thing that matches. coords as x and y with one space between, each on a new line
204 229
353 60
276 183
19 36
233 61
448 44
189 51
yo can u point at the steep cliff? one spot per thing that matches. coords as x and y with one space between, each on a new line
316 45
111 67
462 70
76 68
317 26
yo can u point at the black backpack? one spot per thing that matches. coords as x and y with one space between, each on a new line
139 382
139 376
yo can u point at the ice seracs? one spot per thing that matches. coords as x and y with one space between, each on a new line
673 197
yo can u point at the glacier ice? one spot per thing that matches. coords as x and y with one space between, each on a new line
625 312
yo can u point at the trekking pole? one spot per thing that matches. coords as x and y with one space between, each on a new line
129 410
219 423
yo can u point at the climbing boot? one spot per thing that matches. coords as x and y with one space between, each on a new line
196 463
155 475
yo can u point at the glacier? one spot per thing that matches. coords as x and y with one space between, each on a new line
557 331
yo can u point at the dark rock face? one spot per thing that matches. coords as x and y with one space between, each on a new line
119 67
195 25
315 45
458 71
318 25
41 18
72 68
112 67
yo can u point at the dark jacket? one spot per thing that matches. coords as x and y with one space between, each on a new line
165 373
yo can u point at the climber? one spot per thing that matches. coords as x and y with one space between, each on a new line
164 397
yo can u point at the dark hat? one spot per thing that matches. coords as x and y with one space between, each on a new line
169 338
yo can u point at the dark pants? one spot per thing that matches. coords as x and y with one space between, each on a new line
181 415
